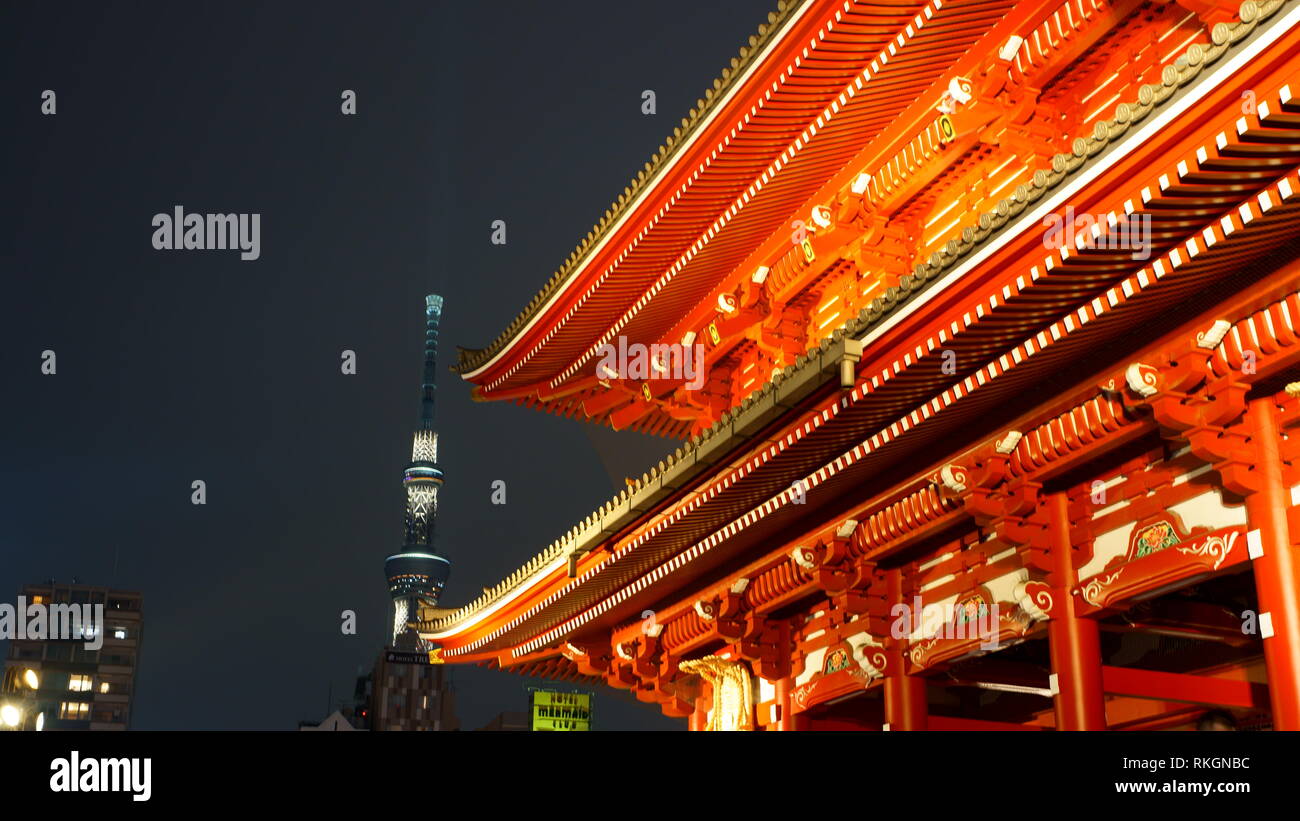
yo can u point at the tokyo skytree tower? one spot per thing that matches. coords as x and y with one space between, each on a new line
417 573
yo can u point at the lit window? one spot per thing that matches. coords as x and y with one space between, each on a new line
79 683
38 600
103 687
75 710
119 633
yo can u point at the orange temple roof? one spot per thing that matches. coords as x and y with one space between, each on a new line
988 294
821 80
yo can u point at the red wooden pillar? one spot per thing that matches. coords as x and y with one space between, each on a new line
905 701
699 719
905 707
788 720
1277 571
1074 642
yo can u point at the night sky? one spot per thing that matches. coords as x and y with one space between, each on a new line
174 366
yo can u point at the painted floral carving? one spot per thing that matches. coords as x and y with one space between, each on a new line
1153 538
836 660
972 611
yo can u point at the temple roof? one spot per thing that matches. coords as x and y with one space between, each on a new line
472 359
819 83
1105 286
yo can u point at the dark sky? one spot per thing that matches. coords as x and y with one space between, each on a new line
175 366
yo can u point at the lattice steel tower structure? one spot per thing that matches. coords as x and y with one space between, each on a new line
418 572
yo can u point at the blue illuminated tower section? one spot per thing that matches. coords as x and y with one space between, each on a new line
417 573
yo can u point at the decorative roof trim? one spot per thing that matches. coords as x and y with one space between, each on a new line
859 81
471 362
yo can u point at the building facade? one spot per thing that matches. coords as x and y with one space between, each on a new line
79 688
978 323
409 693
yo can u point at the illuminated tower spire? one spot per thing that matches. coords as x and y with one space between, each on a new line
417 573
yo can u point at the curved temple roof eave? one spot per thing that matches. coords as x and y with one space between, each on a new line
928 15
473 363
862 324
